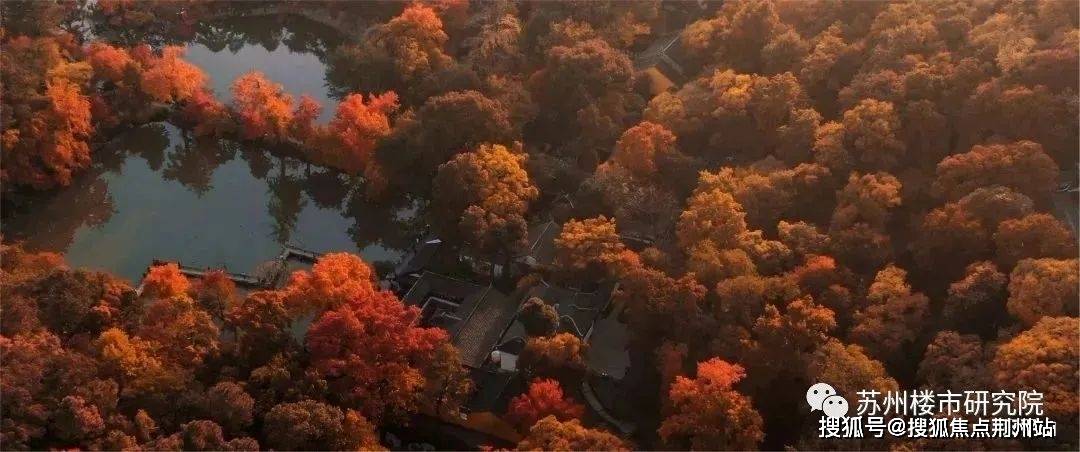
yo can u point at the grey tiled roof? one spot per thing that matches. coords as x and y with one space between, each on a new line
474 315
493 389
541 244
482 325
607 347
663 53
577 310
420 259
433 284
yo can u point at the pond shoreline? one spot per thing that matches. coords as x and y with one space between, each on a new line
20 198
15 200
155 191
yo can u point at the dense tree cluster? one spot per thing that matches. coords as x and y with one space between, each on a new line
60 97
91 362
858 193
480 198
708 414
46 111
544 398
858 179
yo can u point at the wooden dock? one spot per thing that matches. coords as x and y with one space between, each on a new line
271 281
241 279
295 252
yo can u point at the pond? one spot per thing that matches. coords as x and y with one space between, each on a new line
157 193
291 53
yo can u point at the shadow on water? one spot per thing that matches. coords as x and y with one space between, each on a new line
218 25
157 192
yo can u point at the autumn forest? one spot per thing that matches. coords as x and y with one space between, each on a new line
531 225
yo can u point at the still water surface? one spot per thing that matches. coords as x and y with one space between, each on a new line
155 192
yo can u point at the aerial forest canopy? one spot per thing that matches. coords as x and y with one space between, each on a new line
879 195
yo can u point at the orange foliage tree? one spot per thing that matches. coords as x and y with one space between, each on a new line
165 281
994 204
313 425
710 264
1043 358
414 42
725 113
169 78
552 434
444 126
538 317
335 279
785 337
658 305
870 132
970 105
19 270
863 209
1022 166
1043 287
383 374
135 364
78 302
303 128
803 238
742 299
954 362
46 148
641 146
263 108
481 198
711 215
136 78
210 116
867 198
708 413
110 63
894 318
1033 236
768 194
28 359
585 248
261 325
950 238
215 293
447 383
1013 111
357 126
560 355
976 302
231 406
848 369
544 398
183 332
737 35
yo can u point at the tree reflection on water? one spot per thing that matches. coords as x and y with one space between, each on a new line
192 162
157 191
